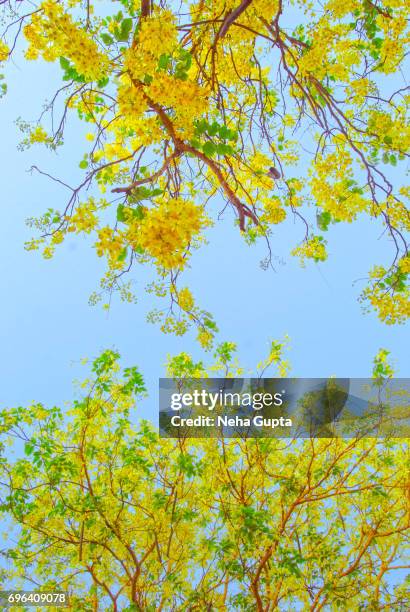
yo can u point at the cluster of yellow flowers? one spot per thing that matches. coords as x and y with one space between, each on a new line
340 9
58 237
172 325
359 89
144 76
273 211
188 100
331 52
166 231
185 299
4 51
333 188
312 248
131 102
404 264
157 36
391 303
84 218
52 33
38 135
397 212
395 40
205 338
255 186
178 323
111 243
393 129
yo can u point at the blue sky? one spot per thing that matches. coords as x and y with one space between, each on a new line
47 324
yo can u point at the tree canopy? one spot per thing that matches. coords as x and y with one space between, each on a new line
260 110
124 520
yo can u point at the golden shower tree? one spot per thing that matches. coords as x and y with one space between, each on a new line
260 110
123 520
264 109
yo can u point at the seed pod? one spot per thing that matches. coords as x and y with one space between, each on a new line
274 173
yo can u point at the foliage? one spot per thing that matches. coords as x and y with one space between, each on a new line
123 520
271 110
277 108
382 369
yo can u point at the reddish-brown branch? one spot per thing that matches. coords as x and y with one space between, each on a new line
145 8
182 147
233 16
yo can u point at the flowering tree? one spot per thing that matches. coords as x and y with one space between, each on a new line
267 109
124 520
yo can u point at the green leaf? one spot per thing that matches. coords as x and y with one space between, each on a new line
181 74
213 129
144 193
224 132
185 60
156 192
64 63
209 148
201 126
135 382
107 39
210 324
164 61
83 164
120 213
138 213
123 254
323 219
28 448
224 149
71 74
126 27
105 362
103 82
